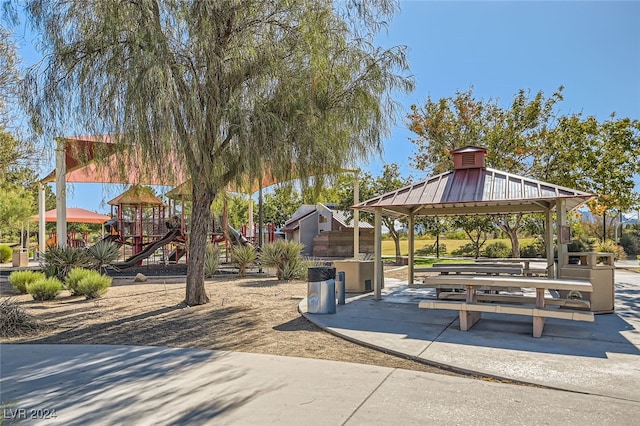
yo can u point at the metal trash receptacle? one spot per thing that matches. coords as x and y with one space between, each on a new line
321 290
20 257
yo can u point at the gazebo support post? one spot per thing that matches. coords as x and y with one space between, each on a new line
548 240
561 218
42 237
377 253
411 244
61 194
356 216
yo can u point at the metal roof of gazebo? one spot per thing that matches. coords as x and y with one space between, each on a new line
471 189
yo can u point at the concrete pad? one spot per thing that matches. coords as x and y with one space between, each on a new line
599 358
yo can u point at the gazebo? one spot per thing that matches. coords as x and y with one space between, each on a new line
473 189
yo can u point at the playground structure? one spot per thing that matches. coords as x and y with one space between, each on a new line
141 225
106 159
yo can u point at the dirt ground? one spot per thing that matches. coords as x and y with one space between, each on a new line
255 314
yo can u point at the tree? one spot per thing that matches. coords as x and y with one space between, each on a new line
530 138
278 206
602 158
9 75
370 187
230 87
476 228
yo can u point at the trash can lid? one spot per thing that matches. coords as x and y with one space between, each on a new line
321 273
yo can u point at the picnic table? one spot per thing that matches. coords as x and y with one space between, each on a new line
527 268
471 308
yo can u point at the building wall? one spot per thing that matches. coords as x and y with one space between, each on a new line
308 230
340 243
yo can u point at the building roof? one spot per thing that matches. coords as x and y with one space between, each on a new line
306 209
479 190
342 218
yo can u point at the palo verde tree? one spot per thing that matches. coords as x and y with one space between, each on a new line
228 87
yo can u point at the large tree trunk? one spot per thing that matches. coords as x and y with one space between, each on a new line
200 219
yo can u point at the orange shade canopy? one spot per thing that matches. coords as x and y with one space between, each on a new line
76 215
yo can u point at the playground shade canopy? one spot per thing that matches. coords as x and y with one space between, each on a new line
74 214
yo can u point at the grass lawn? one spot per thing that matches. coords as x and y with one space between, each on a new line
388 247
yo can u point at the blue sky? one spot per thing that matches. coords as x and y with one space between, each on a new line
591 48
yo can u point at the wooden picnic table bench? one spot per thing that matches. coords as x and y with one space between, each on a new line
467 268
471 308
477 268
526 262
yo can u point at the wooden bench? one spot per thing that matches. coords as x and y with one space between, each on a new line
471 308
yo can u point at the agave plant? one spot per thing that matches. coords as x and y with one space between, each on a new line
58 261
243 257
285 257
211 260
104 253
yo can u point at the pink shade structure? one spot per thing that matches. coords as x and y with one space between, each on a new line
74 214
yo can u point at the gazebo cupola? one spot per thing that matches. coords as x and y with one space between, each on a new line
469 157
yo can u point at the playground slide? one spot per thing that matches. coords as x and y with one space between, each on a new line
237 238
176 254
110 238
149 250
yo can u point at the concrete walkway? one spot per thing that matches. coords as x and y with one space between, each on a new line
598 365
124 385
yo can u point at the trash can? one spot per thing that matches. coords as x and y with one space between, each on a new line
321 290
598 268
20 257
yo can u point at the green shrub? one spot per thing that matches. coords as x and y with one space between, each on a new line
75 276
609 246
211 260
20 279
59 261
580 245
630 241
497 249
456 235
44 289
243 257
94 285
430 250
534 249
286 258
465 250
5 253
